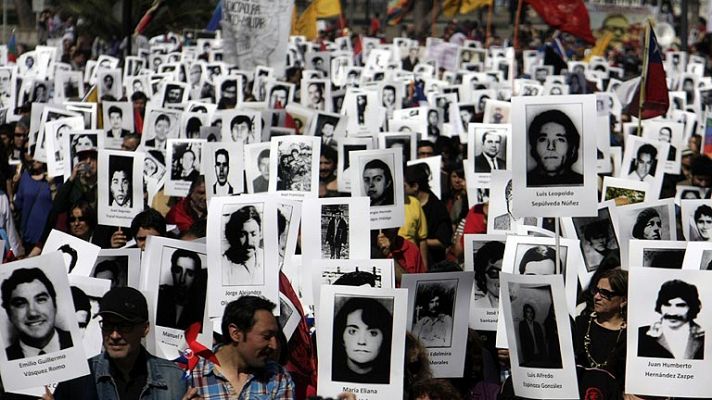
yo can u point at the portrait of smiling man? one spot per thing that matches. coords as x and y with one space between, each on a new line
554 148
489 158
30 300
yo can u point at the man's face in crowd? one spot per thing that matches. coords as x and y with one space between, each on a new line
389 96
278 96
315 95
490 146
257 346
425 151
375 183
173 95
674 313
198 198
240 132
552 147
665 135
120 187
122 339
263 167
142 234
221 168
115 120
326 167
162 127
183 272
250 237
644 164
32 312
704 226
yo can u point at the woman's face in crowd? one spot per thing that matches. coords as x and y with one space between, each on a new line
78 225
361 342
456 182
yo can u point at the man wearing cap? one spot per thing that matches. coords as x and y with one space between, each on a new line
125 370
246 368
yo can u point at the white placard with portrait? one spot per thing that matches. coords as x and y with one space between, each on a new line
534 303
88 292
176 284
483 255
242 249
223 168
667 318
371 369
120 186
554 163
378 174
21 366
55 131
438 309
295 160
489 149
643 160
184 162
342 232
79 255
696 219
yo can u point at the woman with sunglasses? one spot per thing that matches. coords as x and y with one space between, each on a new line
81 220
600 331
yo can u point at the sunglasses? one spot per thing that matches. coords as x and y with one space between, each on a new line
605 293
121 327
77 219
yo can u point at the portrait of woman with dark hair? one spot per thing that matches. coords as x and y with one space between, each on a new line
361 346
554 145
648 225
487 266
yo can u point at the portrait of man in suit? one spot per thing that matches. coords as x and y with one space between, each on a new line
337 234
222 170
261 183
676 335
181 303
30 300
489 158
115 119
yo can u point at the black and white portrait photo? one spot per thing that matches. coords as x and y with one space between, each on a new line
280 94
316 94
661 257
377 181
489 143
599 243
223 169
697 220
404 143
109 83
113 269
185 161
433 313
243 256
38 323
242 126
645 221
362 339
181 298
325 125
174 94
335 231
295 161
676 334
118 121
536 335
158 126
487 263
121 181
554 148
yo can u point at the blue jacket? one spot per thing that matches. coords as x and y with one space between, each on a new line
164 382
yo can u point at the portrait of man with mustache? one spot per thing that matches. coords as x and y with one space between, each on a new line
244 258
675 335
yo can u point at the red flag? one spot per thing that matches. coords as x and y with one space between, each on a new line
655 101
570 16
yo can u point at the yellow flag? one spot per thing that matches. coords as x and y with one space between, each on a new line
601 45
306 24
327 8
450 7
470 5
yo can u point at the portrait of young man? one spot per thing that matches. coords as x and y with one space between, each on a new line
554 145
222 171
433 319
261 183
120 182
182 301
643 167
378 183
243 260
115 123
30 300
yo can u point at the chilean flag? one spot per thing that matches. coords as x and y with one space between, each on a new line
655 98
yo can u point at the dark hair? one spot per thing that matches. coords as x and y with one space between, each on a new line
263 154
703 210
235 252
81 300
107 265
537 253
701 165
647 149
484 135
66 248
193 124
25 275
223 152
417 174
139 96
434 389
375 316
197 181
668 291
595 228
486 255
241 313
329 153
529 306
121 164
356 278
558 117
149 219
87 212
183 253
162 117
380 164
241 119
642 219
618 279
114 109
